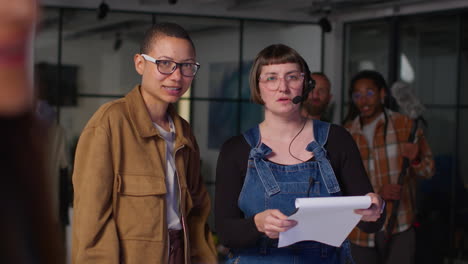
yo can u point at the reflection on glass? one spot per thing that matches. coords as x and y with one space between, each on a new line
406 70
429 45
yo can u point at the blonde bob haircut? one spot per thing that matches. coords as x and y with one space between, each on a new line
276 54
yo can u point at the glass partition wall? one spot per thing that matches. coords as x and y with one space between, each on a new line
83 62
429 52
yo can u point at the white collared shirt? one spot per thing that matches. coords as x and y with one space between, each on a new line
172 195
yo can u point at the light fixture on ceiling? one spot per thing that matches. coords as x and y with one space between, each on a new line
172 2
325 24
102 10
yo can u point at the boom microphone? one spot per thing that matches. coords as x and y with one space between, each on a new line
297 99
304 96
409 105
408 102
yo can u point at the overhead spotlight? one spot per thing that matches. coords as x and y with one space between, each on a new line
172 2
117 42
324 23
102 10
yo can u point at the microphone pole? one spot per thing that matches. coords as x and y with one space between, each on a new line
413 108
396 203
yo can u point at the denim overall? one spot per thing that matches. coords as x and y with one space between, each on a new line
273 186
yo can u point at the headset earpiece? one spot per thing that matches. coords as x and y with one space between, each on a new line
311 84
305 93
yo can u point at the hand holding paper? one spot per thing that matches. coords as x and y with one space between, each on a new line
272 222
376 209
328 220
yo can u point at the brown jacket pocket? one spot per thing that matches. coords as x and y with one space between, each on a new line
141 213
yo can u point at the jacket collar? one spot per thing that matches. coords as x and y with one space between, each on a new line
141 119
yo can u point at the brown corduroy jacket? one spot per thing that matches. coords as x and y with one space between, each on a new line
120 189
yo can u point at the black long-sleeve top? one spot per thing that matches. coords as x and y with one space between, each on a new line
235 231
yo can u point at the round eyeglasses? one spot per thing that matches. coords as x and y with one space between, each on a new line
272 81
368 94
188 69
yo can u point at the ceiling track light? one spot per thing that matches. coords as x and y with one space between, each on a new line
325 24
102 10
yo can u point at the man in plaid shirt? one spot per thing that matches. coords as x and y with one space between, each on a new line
382 138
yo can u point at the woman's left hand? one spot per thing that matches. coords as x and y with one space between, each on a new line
372 213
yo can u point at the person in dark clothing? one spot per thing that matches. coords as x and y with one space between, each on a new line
260 173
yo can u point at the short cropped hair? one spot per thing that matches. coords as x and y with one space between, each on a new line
163 29
276 54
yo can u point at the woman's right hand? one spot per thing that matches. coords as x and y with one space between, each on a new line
272 222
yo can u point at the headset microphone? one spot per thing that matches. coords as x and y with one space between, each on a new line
297 99
304 95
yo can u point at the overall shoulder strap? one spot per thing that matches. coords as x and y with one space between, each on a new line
321 130
252 136
257 153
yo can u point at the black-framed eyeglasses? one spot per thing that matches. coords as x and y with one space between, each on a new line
188 69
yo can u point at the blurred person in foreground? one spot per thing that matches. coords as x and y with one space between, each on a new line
319 98
26 224
382 138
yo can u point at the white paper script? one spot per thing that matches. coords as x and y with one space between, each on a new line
328 220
